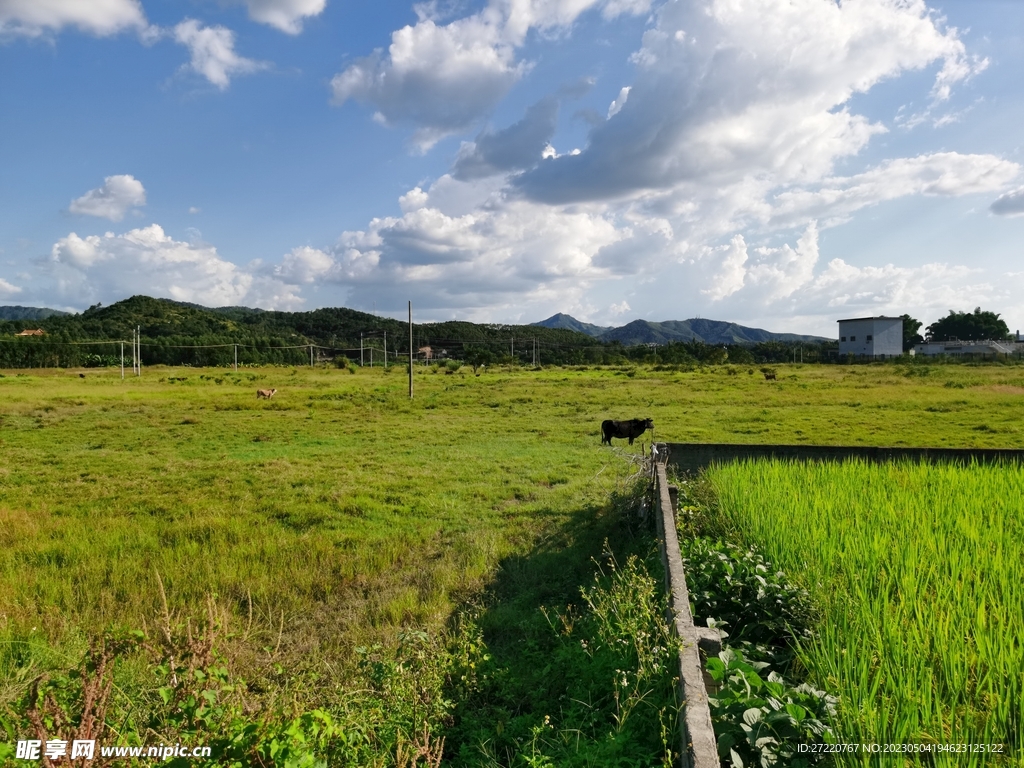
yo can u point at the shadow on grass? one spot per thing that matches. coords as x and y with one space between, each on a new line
548 692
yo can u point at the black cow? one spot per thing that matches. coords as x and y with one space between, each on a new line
631 429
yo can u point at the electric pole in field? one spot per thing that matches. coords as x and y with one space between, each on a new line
410 350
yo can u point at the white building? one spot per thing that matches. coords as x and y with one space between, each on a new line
981 348
871 337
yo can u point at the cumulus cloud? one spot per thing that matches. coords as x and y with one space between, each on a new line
304 266
1010 204
510 255
732 271
111 201
8 290
728 137
147 260
728 90
33 18
285 15
442 78
213 52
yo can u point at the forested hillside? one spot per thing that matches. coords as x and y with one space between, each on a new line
177 333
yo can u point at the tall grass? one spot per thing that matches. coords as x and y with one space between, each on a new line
919 573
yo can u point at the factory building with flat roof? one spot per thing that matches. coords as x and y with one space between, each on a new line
871 337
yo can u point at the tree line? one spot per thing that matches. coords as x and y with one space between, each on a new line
956 326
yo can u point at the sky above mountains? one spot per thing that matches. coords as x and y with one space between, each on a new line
778 163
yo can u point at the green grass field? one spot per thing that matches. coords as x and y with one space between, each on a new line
341 511
918 572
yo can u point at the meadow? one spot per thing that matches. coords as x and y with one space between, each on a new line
341 513
918 574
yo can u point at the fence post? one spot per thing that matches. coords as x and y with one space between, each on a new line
410 350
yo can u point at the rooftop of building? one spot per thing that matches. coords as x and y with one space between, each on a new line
878 317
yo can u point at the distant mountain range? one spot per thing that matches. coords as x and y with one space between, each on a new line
339 326
695 329
29 313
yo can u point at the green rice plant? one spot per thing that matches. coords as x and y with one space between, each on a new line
918 571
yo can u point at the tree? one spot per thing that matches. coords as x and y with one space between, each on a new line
910 332
477 357
968 326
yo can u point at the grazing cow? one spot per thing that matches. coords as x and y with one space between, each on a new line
81 375
265 393
769 376
631 429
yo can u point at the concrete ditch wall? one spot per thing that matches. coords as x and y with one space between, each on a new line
699 748
693 457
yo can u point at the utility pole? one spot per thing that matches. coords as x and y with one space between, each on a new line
513 346
385 350
122 361
360 349
139 336
534 353
310 355
410 350
236 358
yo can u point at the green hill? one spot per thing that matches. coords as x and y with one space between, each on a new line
29 313
696 329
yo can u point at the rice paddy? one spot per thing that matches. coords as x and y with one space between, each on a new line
918 572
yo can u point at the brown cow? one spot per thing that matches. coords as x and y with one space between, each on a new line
631 429
769 376
265 393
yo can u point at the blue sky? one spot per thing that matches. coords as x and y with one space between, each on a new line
781 164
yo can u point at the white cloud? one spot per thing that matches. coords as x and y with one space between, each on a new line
511 255
285 15
146 260
33 18
616 106
8 290
111 201
213 52
728 90
193 209
779 272
1010 204
304 266
730 133
619 309
732 272
442 78
944 174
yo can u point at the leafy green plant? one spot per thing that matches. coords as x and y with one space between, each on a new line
763 720
736 587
